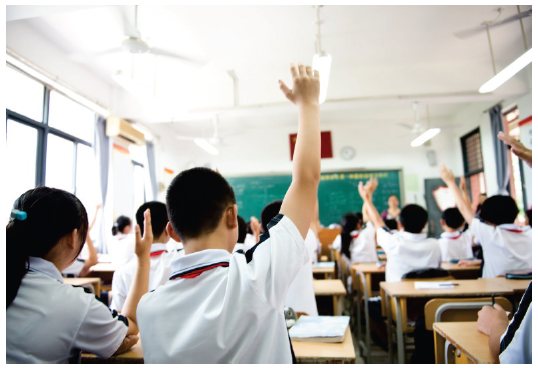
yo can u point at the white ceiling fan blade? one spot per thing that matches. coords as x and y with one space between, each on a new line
161 52
186 138
466 33
115 50
83 58
405 125
128 15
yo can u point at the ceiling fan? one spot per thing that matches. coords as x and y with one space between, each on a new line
466 33
135 44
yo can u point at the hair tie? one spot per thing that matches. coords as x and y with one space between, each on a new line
18 215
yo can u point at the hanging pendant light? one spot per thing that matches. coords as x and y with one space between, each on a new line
321 61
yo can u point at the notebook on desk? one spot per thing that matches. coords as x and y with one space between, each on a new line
320 329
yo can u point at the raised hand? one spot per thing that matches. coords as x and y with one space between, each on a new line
143 244
447 175
364 191
305 88
517 147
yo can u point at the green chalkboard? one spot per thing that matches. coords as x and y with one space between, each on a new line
337 192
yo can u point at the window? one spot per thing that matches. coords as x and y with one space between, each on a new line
25 95
473 165
70 117
139 189
60 159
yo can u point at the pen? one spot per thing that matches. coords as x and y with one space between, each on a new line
492 300
448 284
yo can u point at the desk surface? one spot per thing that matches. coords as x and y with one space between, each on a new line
464 288
367 267
81 281
329 287
305 352
466 337
104 267
454 267
518 286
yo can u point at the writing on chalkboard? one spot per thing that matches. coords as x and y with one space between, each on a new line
355 176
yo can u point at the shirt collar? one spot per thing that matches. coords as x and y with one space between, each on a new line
45 267
410 236
156 247
447 235
199 259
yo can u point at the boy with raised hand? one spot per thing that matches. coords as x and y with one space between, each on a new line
406 250
506 246
220 307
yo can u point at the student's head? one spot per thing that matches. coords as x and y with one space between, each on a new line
452 219
199 202
392 224
413 218
393 201
249 229
528 217
360 217
123 225
268 212
55 229
241 230
499 209
350 222
159 220
482 198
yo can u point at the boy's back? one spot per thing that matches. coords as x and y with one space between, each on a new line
456 245
228 308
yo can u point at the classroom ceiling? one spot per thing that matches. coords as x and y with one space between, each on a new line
383 59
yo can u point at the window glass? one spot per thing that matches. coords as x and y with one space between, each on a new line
87 183
139 195
60 157
21 153
71 117
25 94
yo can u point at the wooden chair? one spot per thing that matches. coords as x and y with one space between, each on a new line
458 309
326 238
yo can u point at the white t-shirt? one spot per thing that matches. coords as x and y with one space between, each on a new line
456 245
506 247
407 252
50 322
225 308
361 249
160 272
122 248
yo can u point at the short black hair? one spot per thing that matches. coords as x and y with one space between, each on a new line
196 200
413 218
159 217
499 209
360 217
121 223
453 218
528 213
268 212
391 224
241 230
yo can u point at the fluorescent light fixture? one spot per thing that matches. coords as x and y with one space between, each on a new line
322 63
206 146
69 92
507 73
424 137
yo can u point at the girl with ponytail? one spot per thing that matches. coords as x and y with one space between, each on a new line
48 321
351 243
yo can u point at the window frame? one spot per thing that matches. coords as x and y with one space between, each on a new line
466 173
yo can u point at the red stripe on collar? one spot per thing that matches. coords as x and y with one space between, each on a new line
514 230
457 237
356 236
197 272
157 253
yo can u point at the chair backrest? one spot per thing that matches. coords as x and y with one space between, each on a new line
458 309
426 273
326 237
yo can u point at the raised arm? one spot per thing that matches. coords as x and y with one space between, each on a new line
366 192
92 257
140 284
463 188
517 147
300 198
94 217
464 206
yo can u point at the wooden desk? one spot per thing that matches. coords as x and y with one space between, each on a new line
83 281
362 277
104 271
517 286
461 272
464 336
325 352
324 269
334 288
305 352
400 291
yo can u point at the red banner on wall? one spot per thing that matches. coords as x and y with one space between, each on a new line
326 145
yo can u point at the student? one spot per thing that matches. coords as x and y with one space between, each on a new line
510 342
506 246
300 296
351 243
406 250
481 199
253 232
241 234
229 308
454 244
528 217
312 241
160 258
48 321
121 246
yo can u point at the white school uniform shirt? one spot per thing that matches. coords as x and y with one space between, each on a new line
407 252
361 249
50 322
250 241
456 245
520 349
313 245
122 248
160 271
506 247
225 308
